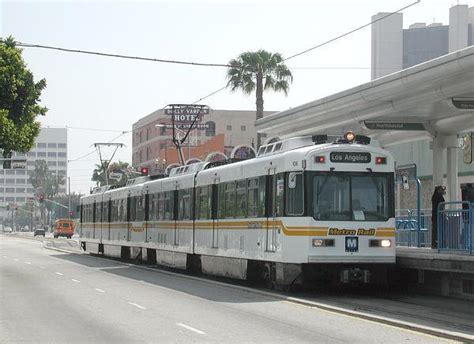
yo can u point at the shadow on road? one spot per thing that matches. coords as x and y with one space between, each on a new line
161 278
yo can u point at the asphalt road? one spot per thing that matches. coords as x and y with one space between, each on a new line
52 297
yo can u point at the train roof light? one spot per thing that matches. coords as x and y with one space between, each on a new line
349 136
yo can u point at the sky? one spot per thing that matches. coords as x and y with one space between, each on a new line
98 98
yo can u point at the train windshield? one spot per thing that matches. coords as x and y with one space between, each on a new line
352 196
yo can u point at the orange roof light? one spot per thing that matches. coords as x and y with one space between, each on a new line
349 136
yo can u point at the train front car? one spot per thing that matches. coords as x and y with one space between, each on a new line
345 195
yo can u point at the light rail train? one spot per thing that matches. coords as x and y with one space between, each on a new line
305 209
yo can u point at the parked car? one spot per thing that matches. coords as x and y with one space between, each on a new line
7 230
64 227
39 231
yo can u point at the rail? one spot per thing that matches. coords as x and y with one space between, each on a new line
456 227
408 232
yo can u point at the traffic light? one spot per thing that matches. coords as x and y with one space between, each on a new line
144 171
41 198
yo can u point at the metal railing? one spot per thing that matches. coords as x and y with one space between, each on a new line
408 232
456 227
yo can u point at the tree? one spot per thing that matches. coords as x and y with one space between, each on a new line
98 175
19 98
259 71
44 181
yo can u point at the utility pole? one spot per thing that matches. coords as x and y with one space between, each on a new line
69 193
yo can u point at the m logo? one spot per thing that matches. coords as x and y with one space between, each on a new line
352 244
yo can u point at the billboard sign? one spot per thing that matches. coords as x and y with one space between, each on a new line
186 113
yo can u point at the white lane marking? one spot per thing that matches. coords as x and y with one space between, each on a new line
16 259
190 328
136 305
75 280
99 290
58 273
28 263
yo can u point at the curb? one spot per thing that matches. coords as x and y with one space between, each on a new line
370 317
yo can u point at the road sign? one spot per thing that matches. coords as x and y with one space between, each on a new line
374 125
115 176
19 164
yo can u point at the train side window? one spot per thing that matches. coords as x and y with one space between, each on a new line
241 199
252 198
184 208
161 206
220 201
132 209
279 192
122 210
153 207
294 194
261 196
169 206
140 208
105 211
229 199
203 202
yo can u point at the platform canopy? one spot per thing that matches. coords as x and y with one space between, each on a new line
433 97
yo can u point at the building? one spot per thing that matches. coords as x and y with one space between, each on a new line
394 49
51 146
217 131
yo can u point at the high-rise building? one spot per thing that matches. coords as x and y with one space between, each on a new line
51 146
395 48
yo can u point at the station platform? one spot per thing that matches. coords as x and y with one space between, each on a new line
441 273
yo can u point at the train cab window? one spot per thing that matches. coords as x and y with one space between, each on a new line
241 199
294 194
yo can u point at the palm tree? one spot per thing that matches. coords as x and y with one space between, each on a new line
259 71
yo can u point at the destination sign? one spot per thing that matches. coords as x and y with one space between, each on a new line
350 157
393 126
463 103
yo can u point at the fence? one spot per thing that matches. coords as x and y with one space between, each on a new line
456 227
407 228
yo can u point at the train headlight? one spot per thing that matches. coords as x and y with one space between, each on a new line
385 243
323 242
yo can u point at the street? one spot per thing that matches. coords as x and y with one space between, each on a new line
49 296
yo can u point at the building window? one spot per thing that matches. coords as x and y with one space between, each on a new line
52 145
243 128
228 128
61 163
163 130
10 190
211 128
20 172
21 181
20 199
51 154
62 155
9 181
20 190
31 190
62 145
9 199
162 145
10 172
41 154
52 163
32 154
41 145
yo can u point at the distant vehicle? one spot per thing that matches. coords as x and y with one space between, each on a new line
7 230
64 227
39 231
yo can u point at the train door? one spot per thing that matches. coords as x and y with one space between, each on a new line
215 213
274 192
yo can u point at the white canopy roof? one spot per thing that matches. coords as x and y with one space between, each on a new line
421 94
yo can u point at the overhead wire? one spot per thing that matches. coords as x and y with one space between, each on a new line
92 152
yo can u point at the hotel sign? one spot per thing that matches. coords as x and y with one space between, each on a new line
184 113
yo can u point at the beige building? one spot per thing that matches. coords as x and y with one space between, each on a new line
219 130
